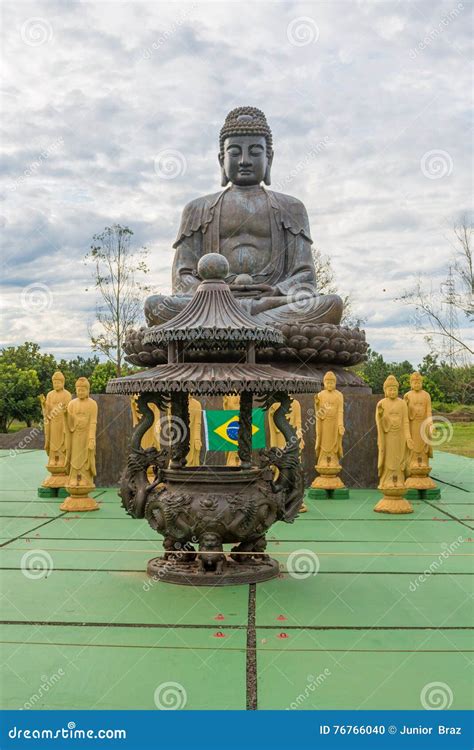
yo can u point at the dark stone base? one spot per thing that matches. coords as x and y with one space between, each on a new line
47 492
190 574
63 492
433 494
319 494
114 430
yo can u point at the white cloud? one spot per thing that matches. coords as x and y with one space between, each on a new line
116 83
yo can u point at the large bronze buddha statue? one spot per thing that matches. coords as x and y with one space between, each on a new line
266 240
264 236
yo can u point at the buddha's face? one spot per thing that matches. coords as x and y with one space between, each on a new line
391 391
330 384
245 159
416 383
58 384
82 391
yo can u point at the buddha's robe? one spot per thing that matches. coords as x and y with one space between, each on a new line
231 402
420 420
261 233
54 412
195 424
81 432
393 433
329 408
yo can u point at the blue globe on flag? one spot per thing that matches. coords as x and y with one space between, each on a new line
232 430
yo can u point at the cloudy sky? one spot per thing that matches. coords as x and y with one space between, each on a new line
111 113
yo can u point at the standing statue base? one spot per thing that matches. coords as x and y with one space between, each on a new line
393 501
420 485
79 500
57 479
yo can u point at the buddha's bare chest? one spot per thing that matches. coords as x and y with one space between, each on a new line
245 232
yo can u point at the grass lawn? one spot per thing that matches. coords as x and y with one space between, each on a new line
462 441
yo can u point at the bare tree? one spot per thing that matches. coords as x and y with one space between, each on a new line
326 284
116 266
436 311
463 266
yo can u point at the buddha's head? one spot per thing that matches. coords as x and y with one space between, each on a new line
416 381
58 381
82 388
245 148
329 381
390 387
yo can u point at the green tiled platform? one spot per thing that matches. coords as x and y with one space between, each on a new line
389 611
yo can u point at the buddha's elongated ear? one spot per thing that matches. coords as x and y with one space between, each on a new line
224 178
267 177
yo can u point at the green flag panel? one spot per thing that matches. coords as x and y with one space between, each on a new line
222 429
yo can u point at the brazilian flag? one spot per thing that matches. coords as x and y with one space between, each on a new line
222 429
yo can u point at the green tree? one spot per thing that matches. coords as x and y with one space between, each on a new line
103 372
73 369
18 395
28 356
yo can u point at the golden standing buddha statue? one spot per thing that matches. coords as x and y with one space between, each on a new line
329 409
80 449
394 443
420 419
195 440
233 404
54 408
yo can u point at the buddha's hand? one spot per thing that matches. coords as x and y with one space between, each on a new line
410 444
91 444
341 430
257 290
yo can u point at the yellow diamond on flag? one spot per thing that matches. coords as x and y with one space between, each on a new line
229 431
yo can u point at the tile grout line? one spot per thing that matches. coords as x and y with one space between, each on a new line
251 662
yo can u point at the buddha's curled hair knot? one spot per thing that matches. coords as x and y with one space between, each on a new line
246 121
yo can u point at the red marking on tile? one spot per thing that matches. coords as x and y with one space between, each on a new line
283 635
281 617
219 617
219 634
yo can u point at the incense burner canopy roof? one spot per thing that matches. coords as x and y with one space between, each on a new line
213 379
213 318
